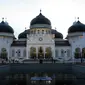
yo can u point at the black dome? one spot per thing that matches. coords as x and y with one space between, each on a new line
57 34
40 19
4 27
23 34
77 27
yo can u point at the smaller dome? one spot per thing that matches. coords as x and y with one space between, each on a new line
77 27
40 19
23 34
57 34
4 27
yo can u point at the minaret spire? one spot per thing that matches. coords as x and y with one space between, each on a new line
25 28
40 10
75 19
2 18
78 18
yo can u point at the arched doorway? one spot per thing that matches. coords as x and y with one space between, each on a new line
62 53
33 52
48 53
40 53
4 54
77 53
83 52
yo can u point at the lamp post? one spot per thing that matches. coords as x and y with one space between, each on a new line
64 56
81 57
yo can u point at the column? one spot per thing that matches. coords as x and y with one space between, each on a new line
44 52
37 52
26 53
53 53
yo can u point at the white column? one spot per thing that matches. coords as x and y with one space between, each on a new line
37 52
27 48
27 52
44 52
65 54
53 52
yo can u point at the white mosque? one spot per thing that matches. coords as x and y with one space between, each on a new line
41 41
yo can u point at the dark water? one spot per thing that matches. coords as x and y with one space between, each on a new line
25 79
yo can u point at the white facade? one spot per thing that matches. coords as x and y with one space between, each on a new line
41 41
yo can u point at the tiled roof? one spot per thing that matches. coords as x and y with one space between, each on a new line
62 43
19 43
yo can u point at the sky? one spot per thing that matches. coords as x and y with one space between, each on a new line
61 13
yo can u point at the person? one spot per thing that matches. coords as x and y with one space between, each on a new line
52 60
40 61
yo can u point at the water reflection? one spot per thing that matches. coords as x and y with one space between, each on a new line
40 79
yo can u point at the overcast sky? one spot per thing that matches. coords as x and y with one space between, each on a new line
61 13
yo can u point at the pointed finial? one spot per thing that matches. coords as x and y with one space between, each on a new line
40 10
2 18
25 28
78 18
75 18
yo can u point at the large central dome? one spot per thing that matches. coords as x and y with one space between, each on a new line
40 19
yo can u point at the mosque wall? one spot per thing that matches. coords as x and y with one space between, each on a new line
5 43
18 53
63 52
77 42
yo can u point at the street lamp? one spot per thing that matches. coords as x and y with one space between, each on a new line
81 57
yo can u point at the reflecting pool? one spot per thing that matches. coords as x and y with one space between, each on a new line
41 78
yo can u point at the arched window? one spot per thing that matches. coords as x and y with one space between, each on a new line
40 52
83 52
77 53
4 53
48 52
68 53
46 32
38 31
24 53
33 52
56 53
13 53
18 53
42 31
62 53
